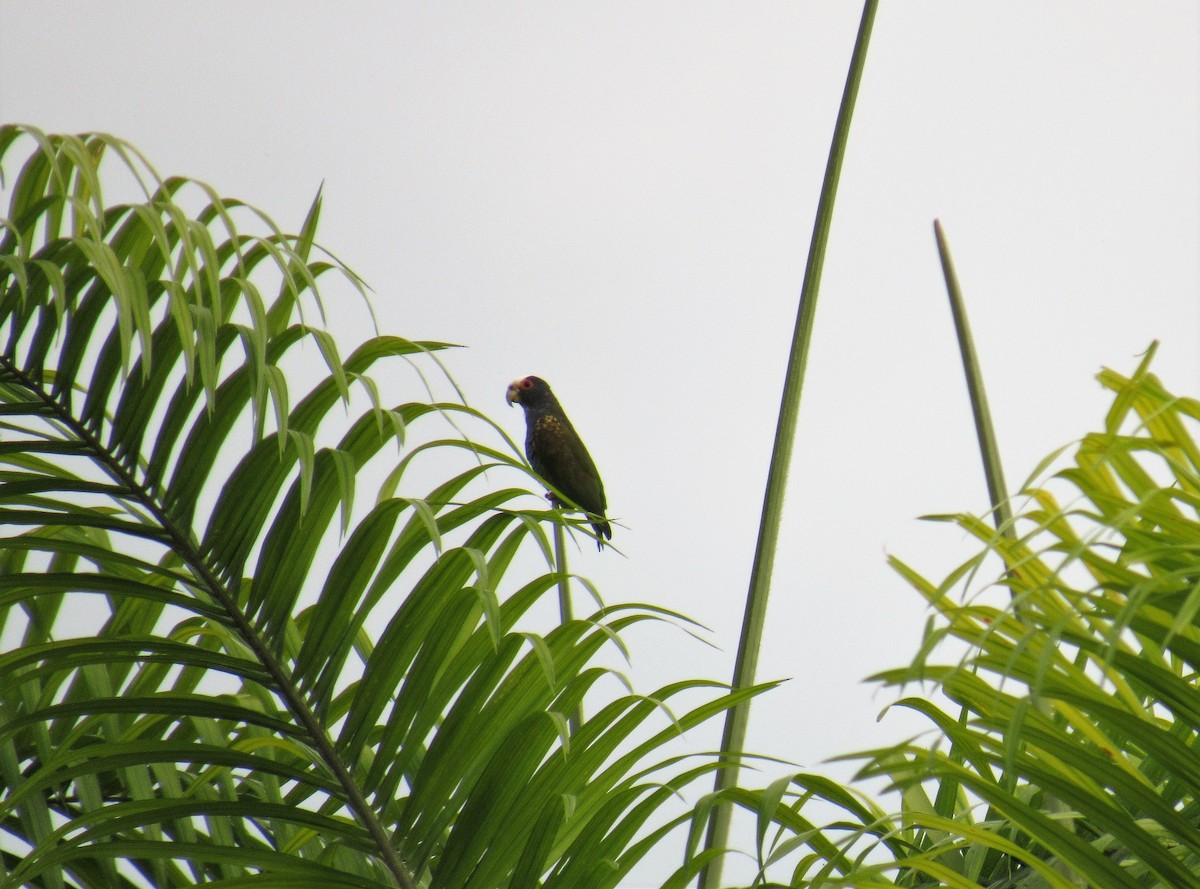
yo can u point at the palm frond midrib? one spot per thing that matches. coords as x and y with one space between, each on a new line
163 529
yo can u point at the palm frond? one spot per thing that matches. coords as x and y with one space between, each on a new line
191 691
1083 688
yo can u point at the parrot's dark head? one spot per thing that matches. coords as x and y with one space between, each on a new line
532 393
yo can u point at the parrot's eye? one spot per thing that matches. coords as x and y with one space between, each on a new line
526 384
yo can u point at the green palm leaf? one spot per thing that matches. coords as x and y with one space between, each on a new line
1082 689
190 690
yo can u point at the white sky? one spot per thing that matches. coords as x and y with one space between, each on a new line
618 197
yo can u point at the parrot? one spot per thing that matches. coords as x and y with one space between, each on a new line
557 453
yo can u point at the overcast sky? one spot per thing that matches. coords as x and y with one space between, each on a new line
618 197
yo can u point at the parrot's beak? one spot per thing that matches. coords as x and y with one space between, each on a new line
513 395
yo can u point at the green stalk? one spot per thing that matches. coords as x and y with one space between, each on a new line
566 611
734 736
989 452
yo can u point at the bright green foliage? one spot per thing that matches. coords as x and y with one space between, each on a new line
190 692
1068 753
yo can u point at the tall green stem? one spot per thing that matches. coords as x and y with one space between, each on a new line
989 451
566 611
746 665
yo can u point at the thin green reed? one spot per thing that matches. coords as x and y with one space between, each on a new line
745 667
